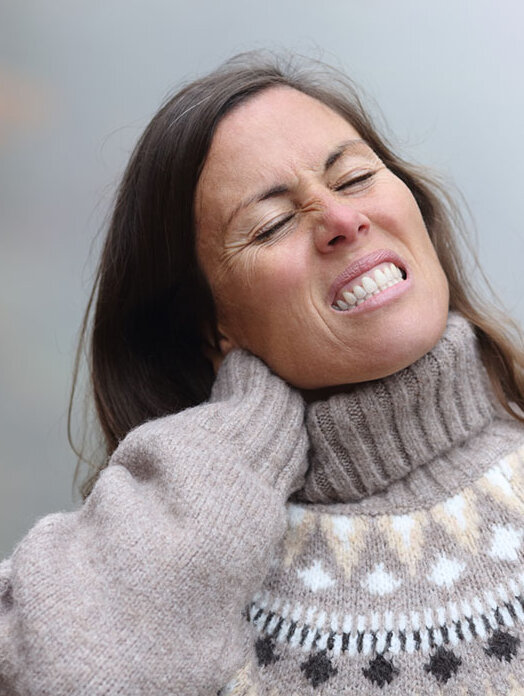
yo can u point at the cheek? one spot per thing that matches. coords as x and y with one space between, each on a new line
275 271
408 220
282 275
396 206
401 215
258 294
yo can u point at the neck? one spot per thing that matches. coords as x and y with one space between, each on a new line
381 431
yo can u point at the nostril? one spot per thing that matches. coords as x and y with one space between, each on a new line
335 239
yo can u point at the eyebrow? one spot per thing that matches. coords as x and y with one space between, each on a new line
347 147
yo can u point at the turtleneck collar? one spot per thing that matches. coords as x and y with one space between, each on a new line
364 440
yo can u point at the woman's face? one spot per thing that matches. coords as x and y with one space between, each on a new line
317 255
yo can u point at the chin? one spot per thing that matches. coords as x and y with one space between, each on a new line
399 345
409 341
412 345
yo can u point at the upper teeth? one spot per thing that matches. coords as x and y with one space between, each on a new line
379 278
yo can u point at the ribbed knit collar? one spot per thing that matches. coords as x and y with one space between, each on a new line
381 431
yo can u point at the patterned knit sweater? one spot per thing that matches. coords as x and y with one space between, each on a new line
401 572
368 544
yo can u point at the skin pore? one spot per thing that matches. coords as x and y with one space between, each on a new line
293 210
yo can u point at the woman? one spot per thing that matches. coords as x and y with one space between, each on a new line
340 509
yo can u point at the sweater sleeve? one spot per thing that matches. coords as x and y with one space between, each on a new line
142 590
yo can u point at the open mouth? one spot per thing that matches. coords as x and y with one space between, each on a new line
371 283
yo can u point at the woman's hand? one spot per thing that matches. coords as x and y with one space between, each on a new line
261 415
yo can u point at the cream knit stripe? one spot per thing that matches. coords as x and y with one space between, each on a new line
423 629
379 432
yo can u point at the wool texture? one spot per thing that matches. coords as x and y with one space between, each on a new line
367 544
401 570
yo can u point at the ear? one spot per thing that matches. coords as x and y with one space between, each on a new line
214 353
225 344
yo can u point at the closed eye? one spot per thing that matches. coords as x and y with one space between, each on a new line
354 181
267 232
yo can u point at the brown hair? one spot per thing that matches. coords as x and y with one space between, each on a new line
150 299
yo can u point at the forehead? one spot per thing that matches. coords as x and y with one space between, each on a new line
269 140
278 117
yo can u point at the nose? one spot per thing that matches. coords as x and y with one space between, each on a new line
340 224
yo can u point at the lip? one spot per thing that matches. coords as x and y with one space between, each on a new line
361 265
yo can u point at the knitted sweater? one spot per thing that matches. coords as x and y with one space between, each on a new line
217 553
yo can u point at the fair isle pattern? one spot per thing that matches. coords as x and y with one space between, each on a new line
455 523
401 571
239 687
421 631
427 599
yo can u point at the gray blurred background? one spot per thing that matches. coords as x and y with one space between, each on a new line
79 81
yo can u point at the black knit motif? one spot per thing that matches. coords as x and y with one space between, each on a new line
502 645
511 610
304 635
471 626
458 630
292 629
265 650
268 620
318 668
380 671
443 664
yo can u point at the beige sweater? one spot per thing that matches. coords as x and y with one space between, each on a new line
396 567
